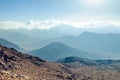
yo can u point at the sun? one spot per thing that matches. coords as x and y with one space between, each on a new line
93 2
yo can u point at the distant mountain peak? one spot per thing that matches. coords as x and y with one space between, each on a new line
55 44
56 50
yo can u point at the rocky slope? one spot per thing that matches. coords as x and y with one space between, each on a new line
87 69
18 66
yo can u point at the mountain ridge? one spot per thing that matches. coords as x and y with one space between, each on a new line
103 44
56 50
10 44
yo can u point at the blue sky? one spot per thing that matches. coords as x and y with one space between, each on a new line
68 10
36 9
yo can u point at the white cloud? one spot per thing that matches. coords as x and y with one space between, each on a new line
11 25
47 24
96 24
30 24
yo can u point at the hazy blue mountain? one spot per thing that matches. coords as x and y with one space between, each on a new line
10 44
106 45
56 50
17 36
30 39
100 42
25 38
63 39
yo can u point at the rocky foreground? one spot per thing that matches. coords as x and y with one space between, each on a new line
18 66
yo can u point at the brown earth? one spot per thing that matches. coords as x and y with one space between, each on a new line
18 66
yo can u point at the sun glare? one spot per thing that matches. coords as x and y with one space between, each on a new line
93 2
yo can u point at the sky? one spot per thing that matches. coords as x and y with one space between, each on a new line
44 14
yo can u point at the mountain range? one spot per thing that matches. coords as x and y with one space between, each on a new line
25 38
56 50
105 45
